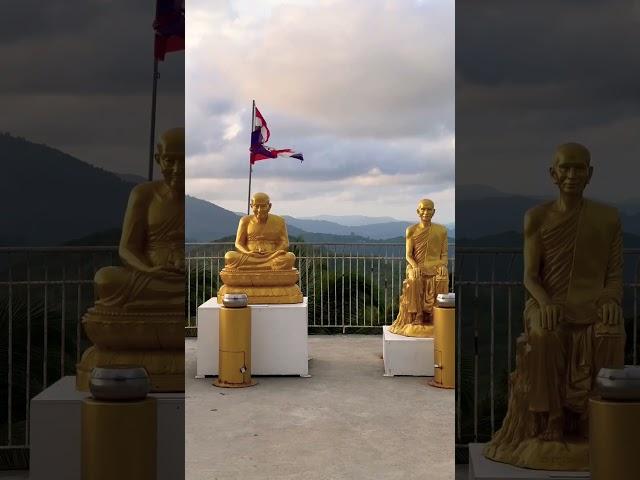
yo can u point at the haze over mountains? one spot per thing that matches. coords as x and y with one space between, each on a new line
489 217
206 221
53 198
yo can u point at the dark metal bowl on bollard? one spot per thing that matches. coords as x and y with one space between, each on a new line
619 383
235 300
119 383
446 300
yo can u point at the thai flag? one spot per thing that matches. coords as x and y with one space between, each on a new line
169 27
259 136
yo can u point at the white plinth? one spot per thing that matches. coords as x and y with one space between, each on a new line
56 416
406 355
481 468
278 339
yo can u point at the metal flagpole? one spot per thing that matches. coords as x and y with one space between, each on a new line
152 134
253 123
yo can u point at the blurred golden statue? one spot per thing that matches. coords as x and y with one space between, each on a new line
138 316
261 266
427 274
573 322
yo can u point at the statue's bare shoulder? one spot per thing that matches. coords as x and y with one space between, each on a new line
244 220
535 217
411 229
144 189
144 192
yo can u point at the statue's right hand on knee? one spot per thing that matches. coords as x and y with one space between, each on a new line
550 316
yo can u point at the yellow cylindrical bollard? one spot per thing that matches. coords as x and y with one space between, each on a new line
119 440
614 436
234 354
444 333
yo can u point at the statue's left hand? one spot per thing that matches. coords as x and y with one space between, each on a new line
611 313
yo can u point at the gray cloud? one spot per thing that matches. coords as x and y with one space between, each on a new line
77 76
534 76
365 91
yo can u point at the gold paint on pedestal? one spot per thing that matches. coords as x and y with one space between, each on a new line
444 347
127 431
615 436
234 355
261 266
138 317
427 274
573 322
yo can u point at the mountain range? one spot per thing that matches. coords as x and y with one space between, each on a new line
206 221
50 197
53 198
483 212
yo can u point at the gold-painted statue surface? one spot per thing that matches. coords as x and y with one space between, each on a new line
138 315
573 322
261 266
427 274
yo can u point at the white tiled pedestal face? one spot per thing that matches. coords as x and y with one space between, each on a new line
278 339
406 355
56 431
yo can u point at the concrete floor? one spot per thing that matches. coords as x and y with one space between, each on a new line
346 422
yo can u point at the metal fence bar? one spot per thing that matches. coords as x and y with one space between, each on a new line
492 344
189 290
28 352
10 358
79 317
62 320
45 332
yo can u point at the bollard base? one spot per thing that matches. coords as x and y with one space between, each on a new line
222 384
433 383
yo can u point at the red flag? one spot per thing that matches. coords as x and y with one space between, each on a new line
169 27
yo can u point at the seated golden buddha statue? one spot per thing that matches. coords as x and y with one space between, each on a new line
572 318
261 266
426 277
138 315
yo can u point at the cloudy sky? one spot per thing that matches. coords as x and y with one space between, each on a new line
364 89
533 75
77 75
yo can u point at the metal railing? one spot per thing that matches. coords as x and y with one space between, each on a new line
350 286
490 300
43 294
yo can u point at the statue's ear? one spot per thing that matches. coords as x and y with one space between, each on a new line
156 156
590 174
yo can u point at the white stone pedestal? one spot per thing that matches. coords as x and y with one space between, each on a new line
278 339
481 468
55 433
406 355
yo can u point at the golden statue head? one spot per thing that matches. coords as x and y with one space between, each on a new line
571 170
426 209
170 157
261 205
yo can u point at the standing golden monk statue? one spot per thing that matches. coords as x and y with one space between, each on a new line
138 316
261 266
427 274
573 322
